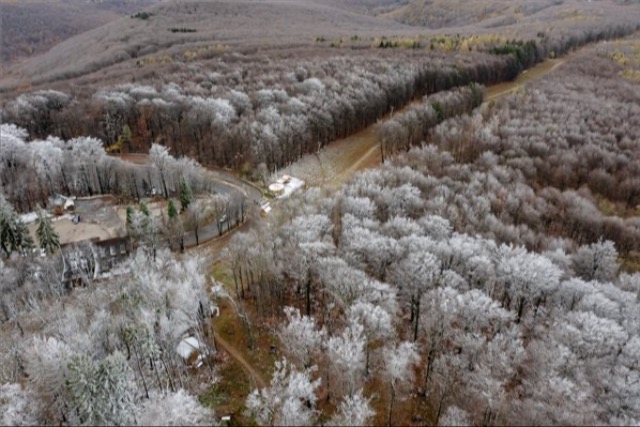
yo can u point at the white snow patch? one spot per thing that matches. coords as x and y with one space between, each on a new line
29 217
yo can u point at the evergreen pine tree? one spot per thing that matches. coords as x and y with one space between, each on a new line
144 209
49 239
171 210
8 232
129 216
101 392
13 232
25 242
185 195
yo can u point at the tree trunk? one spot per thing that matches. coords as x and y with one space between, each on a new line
144 382
307 296
392 398
367 351
166 370
521 303
417 321
439 412
430 358
164 185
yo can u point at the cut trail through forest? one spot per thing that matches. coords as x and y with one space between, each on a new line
336 163
238 357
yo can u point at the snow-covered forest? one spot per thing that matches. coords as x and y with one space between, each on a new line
473 276
104 354
255 110
486 273
31 171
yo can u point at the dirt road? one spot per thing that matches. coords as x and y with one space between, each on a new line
501 90
237 356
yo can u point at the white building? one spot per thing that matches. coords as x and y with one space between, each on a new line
285 186
192 351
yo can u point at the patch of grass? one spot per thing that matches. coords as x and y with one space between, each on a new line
631 262
228 395
630 74
611 208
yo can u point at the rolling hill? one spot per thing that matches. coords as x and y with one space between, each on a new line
30 27
497 13
175 29
195 22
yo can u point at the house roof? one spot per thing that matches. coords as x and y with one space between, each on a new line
187 347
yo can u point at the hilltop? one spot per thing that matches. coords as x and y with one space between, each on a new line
172 25
31 27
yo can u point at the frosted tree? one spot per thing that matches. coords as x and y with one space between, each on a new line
527 278
13 232
399 361
346 360
48 160
289 400
162 161
369 249
139 224
46 364
598 261
377 325
47 235
101 392
17 407
415 274
354 410
220 205
199 212
173 409
84 156
301 338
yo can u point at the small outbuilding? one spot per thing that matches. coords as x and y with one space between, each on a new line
69 205
285 186
265 209
192 351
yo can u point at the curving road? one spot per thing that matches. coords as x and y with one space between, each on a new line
221 182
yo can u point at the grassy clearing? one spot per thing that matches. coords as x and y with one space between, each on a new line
631 262
241 368
227 395
611 208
